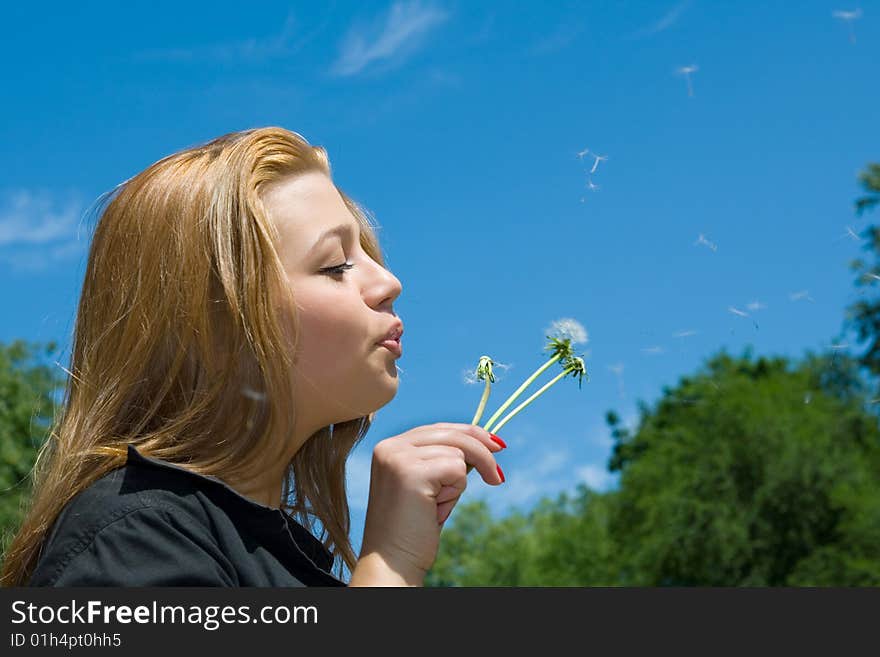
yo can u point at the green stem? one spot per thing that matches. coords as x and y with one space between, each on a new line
519 391
483 401
531 399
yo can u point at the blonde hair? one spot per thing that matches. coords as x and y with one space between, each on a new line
183 314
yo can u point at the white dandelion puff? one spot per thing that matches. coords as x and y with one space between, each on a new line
568 328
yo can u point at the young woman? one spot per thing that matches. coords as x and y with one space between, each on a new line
231 348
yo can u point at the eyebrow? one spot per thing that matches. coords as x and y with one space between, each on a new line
340 230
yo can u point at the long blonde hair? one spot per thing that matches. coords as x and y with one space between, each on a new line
182 318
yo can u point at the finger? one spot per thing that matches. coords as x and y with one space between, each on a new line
448 493
440 451
474 430
475 452
444 510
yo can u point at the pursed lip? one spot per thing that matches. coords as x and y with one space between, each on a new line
393 333
393 346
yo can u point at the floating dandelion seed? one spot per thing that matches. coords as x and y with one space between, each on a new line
808 398
253 394
848 17
618 371
702 240
590 185
737 312
755 305
597 158
686 72
683 334
653 350
580 154
851 234
870 275
803 294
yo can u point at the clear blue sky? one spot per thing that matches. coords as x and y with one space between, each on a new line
458 125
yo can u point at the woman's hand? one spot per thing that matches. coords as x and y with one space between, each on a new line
416 479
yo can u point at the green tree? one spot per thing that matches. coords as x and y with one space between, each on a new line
28 390
752 473
561 542
863 317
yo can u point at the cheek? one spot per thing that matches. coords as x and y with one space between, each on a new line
331 341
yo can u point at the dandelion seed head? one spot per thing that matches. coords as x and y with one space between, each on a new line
469 376
568 328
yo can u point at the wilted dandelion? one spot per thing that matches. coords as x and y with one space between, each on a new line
686 72
848 17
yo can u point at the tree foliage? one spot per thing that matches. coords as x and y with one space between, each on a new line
28 390
750 472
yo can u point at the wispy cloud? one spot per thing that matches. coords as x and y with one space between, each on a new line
595 476
37 230
669 19
557 40
404 30
253 49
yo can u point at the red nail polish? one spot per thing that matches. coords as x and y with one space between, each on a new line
497 440
500 474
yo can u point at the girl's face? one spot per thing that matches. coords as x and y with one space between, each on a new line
341 373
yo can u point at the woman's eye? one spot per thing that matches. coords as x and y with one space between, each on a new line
338 270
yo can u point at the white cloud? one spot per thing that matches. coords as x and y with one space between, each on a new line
37 230
405 28
29 218
669 19
253 49
595 476
559 39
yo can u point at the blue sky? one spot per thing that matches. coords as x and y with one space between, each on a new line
463 127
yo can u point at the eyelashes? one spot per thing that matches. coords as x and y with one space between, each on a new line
338 270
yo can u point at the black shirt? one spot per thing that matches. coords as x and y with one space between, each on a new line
152 523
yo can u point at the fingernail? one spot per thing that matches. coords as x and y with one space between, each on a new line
497 440
500 473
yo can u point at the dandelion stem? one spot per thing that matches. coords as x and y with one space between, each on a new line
483 401
519 391
531 399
